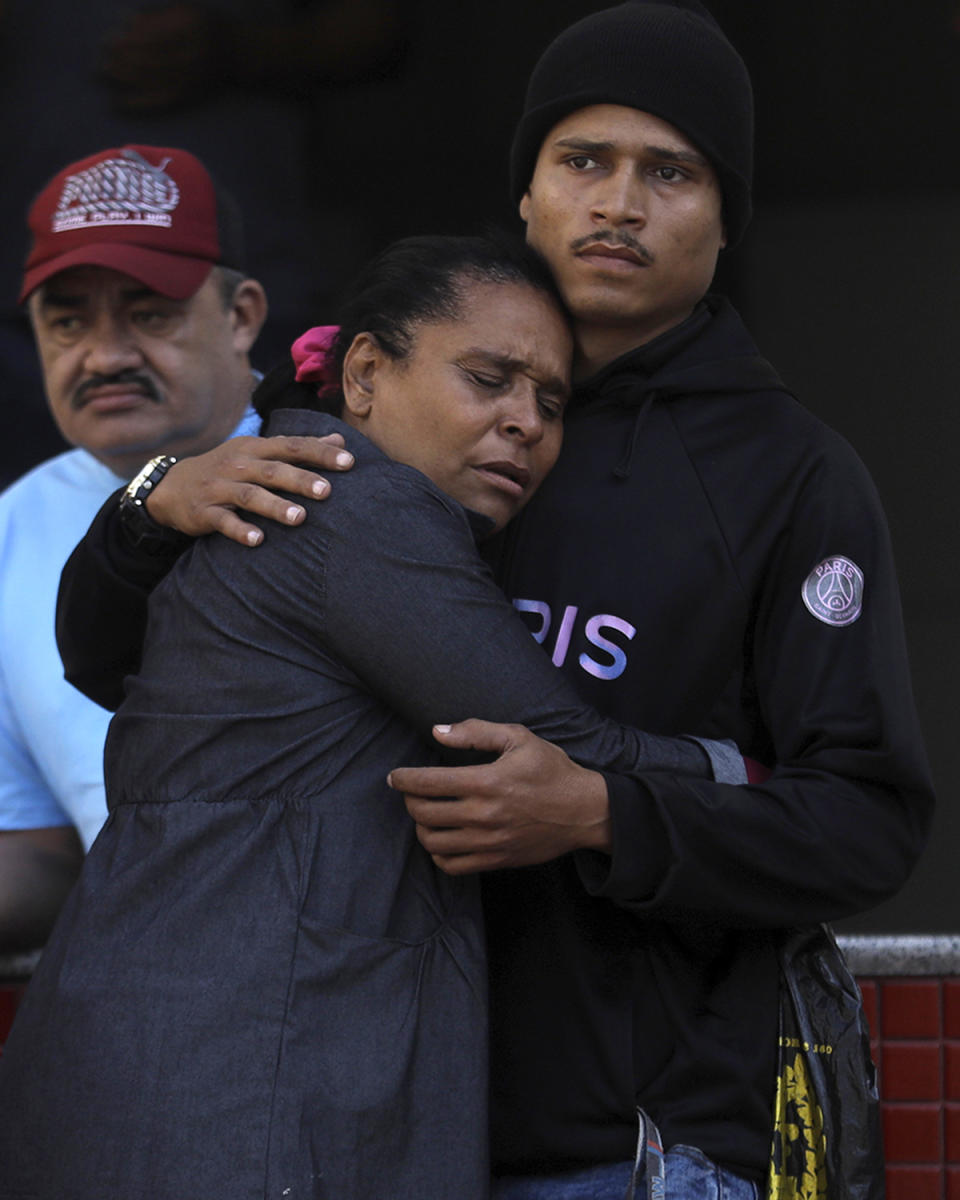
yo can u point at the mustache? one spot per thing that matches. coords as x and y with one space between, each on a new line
607 237
144 382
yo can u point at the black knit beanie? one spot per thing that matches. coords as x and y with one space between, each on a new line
668 59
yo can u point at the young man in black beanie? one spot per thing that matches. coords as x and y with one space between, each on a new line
707 559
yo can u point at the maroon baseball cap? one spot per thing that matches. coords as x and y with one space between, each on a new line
151 212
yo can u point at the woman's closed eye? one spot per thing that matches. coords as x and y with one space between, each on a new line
486 379
551 407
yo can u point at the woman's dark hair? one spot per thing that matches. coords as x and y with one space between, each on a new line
413 282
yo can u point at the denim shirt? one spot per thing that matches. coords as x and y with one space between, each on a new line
257 914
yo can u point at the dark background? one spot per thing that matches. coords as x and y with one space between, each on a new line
848 276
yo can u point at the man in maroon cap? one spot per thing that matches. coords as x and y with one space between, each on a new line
144 319
141 310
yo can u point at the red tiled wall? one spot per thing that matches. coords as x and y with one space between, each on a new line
916 1030
916 1043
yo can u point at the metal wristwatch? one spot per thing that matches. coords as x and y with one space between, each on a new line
140 528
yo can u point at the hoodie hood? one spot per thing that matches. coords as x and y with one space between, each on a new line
709 354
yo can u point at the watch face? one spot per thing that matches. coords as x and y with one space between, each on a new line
141 477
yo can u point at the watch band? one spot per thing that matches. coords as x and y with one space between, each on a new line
140 528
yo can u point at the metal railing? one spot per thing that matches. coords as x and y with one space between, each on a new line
867 954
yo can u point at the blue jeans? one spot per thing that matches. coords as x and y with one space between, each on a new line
690 1176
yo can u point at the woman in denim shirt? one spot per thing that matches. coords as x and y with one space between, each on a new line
262 986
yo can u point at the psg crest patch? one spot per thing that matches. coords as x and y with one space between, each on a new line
833 591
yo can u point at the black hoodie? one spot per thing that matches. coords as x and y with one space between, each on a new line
664 564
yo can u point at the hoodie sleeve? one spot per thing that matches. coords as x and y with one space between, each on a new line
841 820
102 606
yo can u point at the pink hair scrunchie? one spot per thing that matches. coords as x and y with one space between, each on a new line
313 360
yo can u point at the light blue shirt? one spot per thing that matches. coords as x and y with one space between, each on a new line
51 736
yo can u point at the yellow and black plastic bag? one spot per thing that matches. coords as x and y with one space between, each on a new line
826 1139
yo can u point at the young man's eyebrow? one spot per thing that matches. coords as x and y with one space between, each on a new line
589 146
677 154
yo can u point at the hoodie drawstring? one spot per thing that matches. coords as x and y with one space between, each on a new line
625 465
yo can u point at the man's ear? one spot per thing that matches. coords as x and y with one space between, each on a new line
360 365
525 206
248 311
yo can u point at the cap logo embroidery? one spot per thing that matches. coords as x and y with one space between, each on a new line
833 591
117 191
